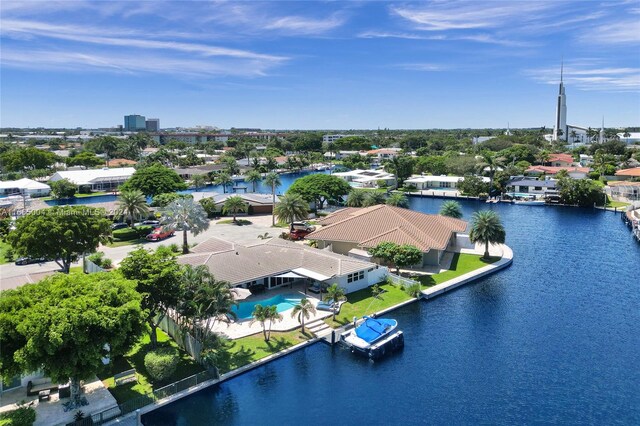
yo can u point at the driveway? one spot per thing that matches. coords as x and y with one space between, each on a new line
245 234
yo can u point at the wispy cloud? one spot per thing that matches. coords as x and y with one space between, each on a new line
591 75
302 25
480 38
422 67
626 31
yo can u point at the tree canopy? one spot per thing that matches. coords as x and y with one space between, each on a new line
154 179
185 215
62 324
581 192
60 233
399 255
63 188
320 188
29 158
486 228
86 159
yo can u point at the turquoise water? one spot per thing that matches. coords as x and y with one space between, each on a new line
553 339
244 310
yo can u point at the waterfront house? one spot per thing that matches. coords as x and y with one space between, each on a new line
257 203
574 172
367 178
24 187
351 231
559 160
275 263
628 191
97 179
436 183
525 185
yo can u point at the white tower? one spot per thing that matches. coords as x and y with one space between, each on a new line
601 135
561 111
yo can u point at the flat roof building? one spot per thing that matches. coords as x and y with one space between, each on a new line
97 179
133 123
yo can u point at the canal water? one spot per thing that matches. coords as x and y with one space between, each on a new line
286 178
552 339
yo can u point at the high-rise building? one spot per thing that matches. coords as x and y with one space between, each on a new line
560 127
153 125
133 123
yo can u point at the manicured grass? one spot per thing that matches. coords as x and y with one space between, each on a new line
126 243
231 222
460 265
3 251
135 359
613 204
252 348
362 303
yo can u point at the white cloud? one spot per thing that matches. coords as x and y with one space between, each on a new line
422 67
302 25
585 76
626 31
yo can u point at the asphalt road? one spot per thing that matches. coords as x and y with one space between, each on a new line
245 234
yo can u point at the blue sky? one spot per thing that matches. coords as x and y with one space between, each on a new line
319 65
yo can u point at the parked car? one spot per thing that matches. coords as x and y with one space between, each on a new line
151 222
302 226
298 234
160 234
29 260
118 225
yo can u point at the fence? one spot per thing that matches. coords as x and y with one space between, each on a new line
90 268
184 340
398 280
149 398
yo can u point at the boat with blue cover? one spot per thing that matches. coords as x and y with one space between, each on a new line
374 337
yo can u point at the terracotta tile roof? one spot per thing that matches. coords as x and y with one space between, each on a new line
634 172
622 183
371 225
553 170
561 157
269 258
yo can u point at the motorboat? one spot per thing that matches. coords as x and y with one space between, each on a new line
374 336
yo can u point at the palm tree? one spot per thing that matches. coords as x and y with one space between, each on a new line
626 135
224 179
486 228
291 207
373 198
397 199
335 294
253 177
198 180
234 205
491 162
273 180
356 198
262 314
303 310
451 209
543 156
132 204
185 215
108 144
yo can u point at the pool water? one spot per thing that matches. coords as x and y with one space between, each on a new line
244 310
553 339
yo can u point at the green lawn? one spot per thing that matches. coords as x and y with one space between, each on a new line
127 243
252 348
460 265
3 251
231 222
135 359
93 194
362 303
613 204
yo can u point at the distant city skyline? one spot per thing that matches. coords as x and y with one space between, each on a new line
319 65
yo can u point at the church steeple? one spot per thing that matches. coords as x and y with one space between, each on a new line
560 127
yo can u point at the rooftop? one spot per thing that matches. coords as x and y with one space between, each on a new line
89 176
371 225
553 170
634 172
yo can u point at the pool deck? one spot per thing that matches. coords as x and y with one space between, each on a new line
243 328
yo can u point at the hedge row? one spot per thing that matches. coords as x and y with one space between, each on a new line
127 234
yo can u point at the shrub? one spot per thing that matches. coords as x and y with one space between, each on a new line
97 258
84 189
8 255
107 263
23 416
413 290
125 234
175 248
161 363
143 230
209 206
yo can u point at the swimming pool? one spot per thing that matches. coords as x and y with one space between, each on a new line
244 310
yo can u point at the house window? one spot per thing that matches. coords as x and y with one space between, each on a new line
538 188
356 276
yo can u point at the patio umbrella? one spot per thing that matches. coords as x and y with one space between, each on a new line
240 293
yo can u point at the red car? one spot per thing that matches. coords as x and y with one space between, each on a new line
298 234
160 234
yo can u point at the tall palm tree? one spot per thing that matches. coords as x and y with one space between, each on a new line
109 145
262 314
291 207
486 228
198 180
234 205
491 162
373 198
185 215
335 294
133 205
397 199
356 198
224 179
253 176
303 310
273 180
451 209
543 156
